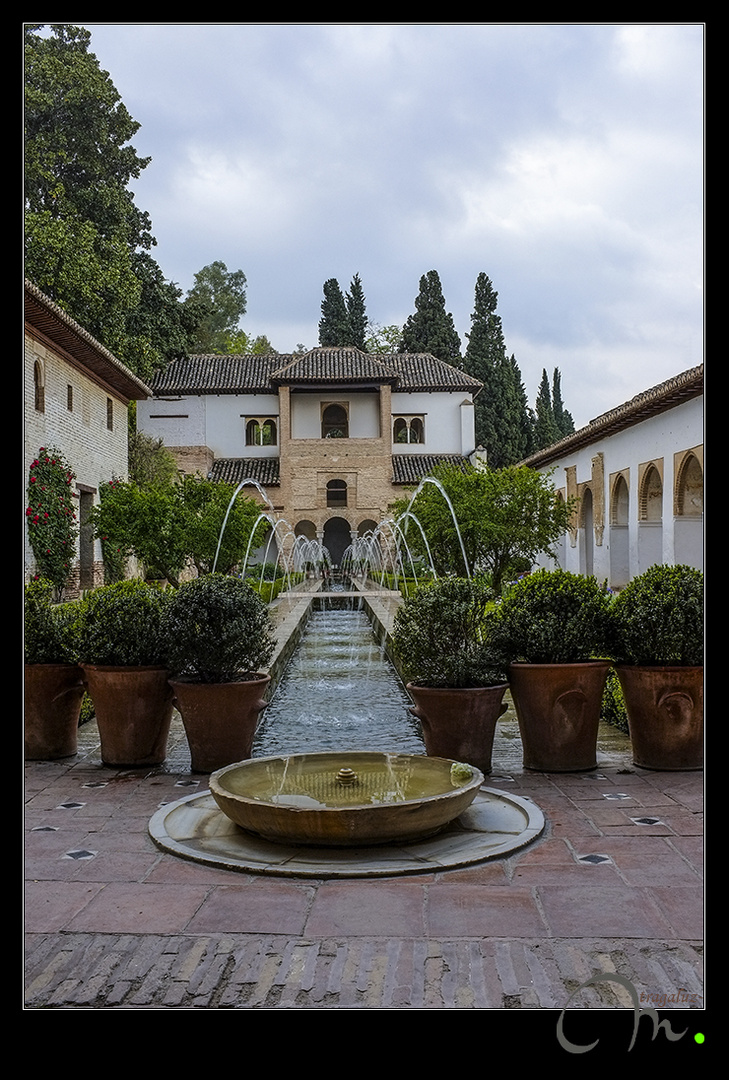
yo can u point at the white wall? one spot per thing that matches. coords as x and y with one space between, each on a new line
445 422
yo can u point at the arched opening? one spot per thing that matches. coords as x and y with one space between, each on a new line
337 538
334 422
650 508
689 520
39 387
261 432
587 534
619 533
336 493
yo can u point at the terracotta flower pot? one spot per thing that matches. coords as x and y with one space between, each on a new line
133 708
665 707
459 723
52 706
558 709
220 719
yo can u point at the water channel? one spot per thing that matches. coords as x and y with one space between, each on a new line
339 692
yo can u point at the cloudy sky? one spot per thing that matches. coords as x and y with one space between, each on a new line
565 161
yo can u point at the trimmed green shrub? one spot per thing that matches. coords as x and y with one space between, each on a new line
658 618
552 617
613 709
51 631
121 624
438 635
217 629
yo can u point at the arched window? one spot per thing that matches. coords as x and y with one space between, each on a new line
690 488
620 502
408 429
337 493
261 432
651 496
39 387
334 422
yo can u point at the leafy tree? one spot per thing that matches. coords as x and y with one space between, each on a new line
166 526
222 295
501 413
356 313
505 518
431 329
382 339
86 242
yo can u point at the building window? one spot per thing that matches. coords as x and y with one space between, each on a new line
334 422
69 398
337 493
110 414
408 429
261 432
39 387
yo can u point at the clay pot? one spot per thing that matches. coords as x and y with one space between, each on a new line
558 709
52 706
220 719
459 723
133 707
665 707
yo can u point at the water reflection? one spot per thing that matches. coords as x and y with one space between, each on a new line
340 692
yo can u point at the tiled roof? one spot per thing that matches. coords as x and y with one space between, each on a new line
233 470
411 468
213 374
667 395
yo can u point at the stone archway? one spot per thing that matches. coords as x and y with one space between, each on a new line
337 538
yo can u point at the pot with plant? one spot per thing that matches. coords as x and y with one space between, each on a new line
658 621
54 686
553 629
456 683
126 677
219 640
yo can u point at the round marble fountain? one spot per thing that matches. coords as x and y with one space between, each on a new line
346 814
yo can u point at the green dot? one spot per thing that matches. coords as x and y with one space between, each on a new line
698 1037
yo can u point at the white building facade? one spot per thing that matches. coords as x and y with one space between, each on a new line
638 475
75 399
332 435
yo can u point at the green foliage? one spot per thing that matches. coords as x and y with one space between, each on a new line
334 328
658 618
502 420
431 329
221 294
167 525
503 516
552 617
613 710
356 313
438 635
217 629
51 517
121 624
51 632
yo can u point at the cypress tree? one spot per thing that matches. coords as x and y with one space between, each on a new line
546 431
562 418
356 314
501 412
334 322
431 329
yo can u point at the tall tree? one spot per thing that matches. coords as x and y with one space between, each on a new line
356 314
334 322
431 329
501 415
222 293
86 242
546 431
562 418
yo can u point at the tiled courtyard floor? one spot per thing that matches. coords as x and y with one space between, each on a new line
613 885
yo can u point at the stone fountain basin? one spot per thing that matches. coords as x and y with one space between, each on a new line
311 799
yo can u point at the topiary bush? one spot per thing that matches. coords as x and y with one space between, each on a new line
217 629
121 625
438 635
51 631
658 618
552 617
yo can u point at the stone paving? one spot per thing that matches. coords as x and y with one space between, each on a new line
613 885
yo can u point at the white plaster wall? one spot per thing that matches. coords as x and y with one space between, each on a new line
656 440
364 414
444 418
